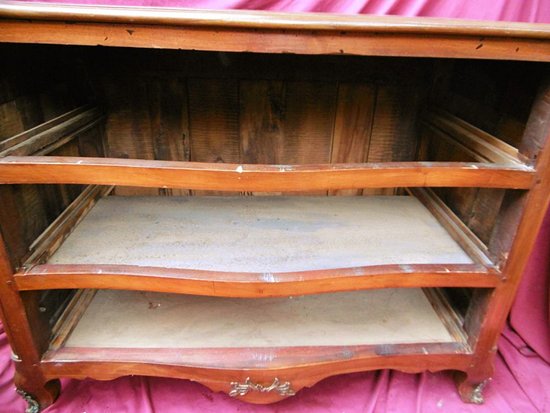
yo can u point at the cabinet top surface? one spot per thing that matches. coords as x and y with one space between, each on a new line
269 20
269 32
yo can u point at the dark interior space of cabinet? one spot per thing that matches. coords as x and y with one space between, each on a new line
442 133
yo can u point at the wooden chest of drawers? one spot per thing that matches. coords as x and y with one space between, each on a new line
257 201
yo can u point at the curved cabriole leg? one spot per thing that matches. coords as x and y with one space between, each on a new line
38 395
471 388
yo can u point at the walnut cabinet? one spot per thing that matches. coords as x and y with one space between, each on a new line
257 201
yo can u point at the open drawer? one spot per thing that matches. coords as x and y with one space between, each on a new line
261 350
255 246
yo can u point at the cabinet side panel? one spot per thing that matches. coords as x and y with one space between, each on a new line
494 98
38 84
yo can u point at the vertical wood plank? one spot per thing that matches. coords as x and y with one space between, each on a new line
23 216
148 119
90 142
393 136
168 115
261 123
12 223
286 122
214 122
309 123
19 115
62 195
352 126
128 130
10 121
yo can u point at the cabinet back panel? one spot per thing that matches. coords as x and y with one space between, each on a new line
244 108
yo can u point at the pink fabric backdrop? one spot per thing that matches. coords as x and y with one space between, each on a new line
534 11
522 378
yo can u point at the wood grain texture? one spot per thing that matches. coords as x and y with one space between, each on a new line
274 41
27 333
128 126
148 119
22 113
275 33
479 142
10 120
46 135
168 113
265 19
20 137
24 215
393 136
214 122
479 93
353 126
262 122
309 122
233 284
49 240
262 116
268 178
513 237
459 141
410 359
460 232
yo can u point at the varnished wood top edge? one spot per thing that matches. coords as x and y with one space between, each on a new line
244 168
253 19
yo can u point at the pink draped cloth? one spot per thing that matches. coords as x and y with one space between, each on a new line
534 11
522 378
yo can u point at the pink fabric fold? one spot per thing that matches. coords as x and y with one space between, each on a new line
529 315
534 11
522 377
